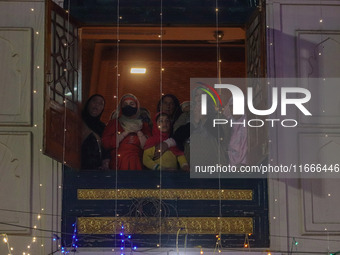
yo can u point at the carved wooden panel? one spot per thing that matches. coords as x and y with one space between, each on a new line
198 206
63 79
15 73
60 145
15 180
255 68
150 225
62 122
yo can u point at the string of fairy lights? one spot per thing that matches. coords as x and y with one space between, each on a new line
161 107
126 243
218 246
126 240
118 18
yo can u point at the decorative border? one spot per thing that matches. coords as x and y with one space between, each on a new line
170 225
184 194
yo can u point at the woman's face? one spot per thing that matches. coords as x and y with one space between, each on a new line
163 124
96 106
168 106
129 102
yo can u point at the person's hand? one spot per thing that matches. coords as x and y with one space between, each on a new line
186 168
160 149
142 138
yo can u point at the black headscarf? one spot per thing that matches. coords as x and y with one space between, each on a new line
93 123
177 110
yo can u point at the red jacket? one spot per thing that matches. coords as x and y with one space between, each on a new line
129 154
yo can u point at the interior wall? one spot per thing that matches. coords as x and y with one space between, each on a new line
180 64
29 181
303 41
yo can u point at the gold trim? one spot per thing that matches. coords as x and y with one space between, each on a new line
170 225
184 194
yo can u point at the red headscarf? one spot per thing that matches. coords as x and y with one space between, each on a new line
158 137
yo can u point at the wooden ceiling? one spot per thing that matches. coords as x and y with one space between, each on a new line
209 35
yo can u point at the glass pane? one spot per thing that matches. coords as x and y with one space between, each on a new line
59 88
64 49
59 99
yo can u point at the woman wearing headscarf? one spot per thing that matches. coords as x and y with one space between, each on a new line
168 104
93 156
125 135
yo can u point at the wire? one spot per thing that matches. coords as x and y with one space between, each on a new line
32 228
177 249
29 212
161 107
117 107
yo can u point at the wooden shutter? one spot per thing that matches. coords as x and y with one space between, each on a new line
256 68
62 87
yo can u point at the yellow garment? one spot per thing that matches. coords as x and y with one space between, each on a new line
167 161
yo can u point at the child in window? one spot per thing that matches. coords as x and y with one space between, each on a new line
168 161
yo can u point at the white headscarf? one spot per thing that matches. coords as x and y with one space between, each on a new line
130 124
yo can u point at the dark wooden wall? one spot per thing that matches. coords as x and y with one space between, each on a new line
180 63
89 200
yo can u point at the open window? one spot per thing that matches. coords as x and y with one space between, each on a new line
188 51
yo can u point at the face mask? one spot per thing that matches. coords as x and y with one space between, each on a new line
129 110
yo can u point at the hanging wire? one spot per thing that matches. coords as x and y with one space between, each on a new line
161 107
30 212
65 110
117 102
38 20
218 245
6 240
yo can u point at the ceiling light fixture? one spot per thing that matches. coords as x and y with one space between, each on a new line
138 70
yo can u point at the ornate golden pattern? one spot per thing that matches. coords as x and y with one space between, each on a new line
184 194
170 225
